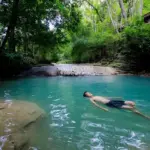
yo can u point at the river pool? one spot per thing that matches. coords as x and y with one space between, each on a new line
74 123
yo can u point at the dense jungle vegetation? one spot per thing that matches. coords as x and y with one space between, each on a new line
110 32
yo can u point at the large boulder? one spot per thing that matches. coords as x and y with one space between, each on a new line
41 71
18 124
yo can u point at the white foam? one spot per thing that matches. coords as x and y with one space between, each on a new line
32 148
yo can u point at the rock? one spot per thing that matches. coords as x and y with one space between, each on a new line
80 70
70 70
42 71
16 141
17 121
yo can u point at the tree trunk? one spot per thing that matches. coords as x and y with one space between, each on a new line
11 41
130 5
10 34
122 9
134 9
141 7
110 15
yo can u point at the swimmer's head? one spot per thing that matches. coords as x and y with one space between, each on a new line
87 94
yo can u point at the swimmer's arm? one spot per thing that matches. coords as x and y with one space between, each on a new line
98 105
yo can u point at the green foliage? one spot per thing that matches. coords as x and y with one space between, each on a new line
83 31
13 63
146 6
94 48
25 33
137 47
65 53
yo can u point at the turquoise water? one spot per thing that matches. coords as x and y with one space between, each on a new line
74 123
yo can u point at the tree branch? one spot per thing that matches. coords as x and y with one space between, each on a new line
110 15
96 10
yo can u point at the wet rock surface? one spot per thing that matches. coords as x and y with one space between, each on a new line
18 121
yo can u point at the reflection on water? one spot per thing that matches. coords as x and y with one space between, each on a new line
3 139
74 123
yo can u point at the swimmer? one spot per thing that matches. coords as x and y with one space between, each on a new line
114 102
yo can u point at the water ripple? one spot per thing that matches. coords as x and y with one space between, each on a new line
133 140
74 124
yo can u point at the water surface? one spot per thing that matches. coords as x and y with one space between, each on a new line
74 123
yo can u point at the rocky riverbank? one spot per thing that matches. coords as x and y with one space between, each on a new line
70 70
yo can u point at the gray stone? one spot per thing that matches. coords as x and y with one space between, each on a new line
41 71
17 121
70 70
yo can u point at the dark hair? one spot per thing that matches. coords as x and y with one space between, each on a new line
84 94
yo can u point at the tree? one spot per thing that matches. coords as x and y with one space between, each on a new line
11 27
25 33
94 8
124 15
26 21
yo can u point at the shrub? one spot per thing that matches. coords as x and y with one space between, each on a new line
95 48
137 47
12 64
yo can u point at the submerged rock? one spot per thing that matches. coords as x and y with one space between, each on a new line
18 121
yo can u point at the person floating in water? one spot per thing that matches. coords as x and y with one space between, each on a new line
114 102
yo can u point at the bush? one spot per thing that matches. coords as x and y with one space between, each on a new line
64 53
137 47
95 48
11 64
